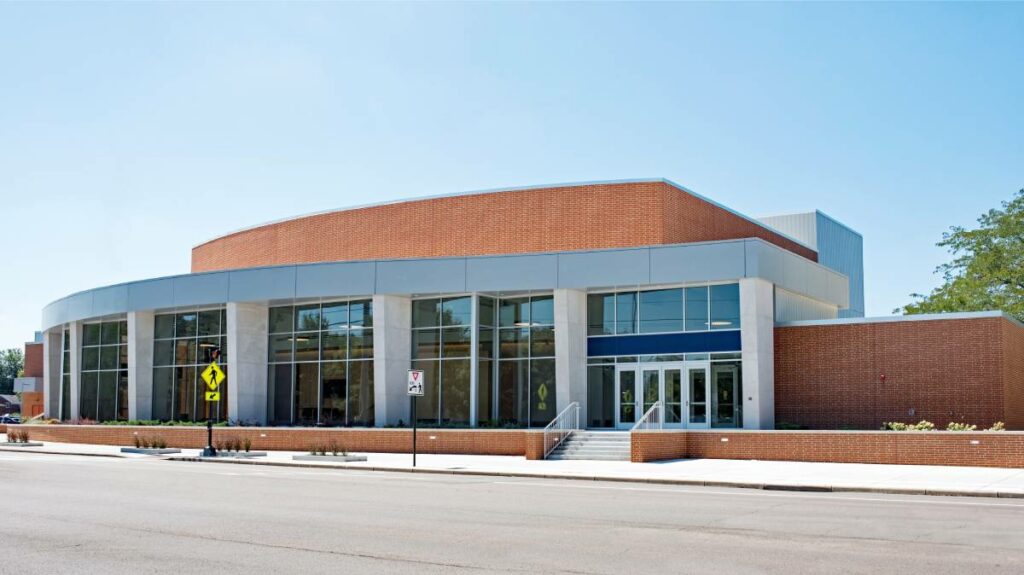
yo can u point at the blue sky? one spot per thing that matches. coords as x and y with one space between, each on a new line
131 132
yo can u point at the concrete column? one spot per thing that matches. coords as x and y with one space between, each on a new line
571 349
75 369
392 358
140 365
52 343
247 362
757 335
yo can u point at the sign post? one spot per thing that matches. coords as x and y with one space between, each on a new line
213 375
415 390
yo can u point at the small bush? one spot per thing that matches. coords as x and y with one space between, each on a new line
159 442
954 426
922 425
138 441
17 436
332 446
246 444
998 426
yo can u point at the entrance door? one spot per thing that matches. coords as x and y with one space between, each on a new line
697 395
639 387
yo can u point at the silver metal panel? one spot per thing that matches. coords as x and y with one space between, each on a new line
842 249
110 300
261 284
79 306
151 294
201 289
335 279
793 307
421 276
604 269
802 227
502 272
55 313
698 262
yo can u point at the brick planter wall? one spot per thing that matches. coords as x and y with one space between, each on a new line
992 449
449 441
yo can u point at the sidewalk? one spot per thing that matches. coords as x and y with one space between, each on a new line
779 475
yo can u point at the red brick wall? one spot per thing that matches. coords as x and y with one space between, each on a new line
828 377
993 449
33 360
476 442
522 221
1013 375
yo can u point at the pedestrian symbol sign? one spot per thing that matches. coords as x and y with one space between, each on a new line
212 396
213 375
416 382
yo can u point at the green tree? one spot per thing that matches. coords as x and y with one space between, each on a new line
987 271
12 363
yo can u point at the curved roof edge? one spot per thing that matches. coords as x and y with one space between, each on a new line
722 260
507 189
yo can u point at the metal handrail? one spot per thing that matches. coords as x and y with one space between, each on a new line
653 418
561 427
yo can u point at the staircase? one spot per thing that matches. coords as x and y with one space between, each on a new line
594 445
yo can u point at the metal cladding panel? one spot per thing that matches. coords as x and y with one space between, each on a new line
604 269
151 294
421 276
842 249
201 289
697 262
512 272
261 284
110 300
80 306
802 227
653 344
55 314
335 279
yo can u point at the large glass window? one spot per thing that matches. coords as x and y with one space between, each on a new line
103 392
65 376
698 308
182 346
442 348
526 365
320 368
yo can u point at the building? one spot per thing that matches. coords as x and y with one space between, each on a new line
517 303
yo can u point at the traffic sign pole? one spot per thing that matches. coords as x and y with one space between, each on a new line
414 431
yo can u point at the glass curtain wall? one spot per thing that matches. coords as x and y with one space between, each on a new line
321 364
700 308
441 346
65 376
182 343
103 392
526 360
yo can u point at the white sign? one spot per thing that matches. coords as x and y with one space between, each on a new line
416 382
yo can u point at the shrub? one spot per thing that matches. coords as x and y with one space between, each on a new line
246 444
954 426
922 425
998 426
17 436
138 441
785 425
159 442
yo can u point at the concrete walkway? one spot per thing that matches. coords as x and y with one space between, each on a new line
785 475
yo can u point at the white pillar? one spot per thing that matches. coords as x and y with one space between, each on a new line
392 358
247 362
571 349
140 365
75 369
757 335
53 340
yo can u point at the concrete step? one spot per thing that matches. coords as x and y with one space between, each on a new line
594 445
589 457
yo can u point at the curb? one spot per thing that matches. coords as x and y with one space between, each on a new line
615 479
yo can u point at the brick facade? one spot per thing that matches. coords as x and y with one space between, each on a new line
963 370
578 217
33 360
981 449
449 441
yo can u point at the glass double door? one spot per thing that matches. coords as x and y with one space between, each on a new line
683 389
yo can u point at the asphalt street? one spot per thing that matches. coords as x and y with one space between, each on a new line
71 514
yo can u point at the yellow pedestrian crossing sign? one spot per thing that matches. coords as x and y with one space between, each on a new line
212 396
213 375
